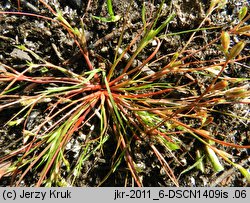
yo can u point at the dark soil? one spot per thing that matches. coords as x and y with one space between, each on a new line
54 45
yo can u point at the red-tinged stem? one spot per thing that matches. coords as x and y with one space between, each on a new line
165 165
138 95
157 133
128 158
56 79
81 119
47 80
196 131
9 68
147 60
86 101
11 154
85 55
137 68
130 163
154 132
62 100
89 118
18 5
179 68
84 52
65 139
57 113
26 152
28 14
210 137
122 55
32 164
145 94
166 68
49 7
132 120
210 85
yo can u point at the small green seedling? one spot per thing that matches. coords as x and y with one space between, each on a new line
112 17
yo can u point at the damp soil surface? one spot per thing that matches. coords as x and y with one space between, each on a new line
52 43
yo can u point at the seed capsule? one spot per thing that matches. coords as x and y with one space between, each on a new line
220 85
238 92
242 13
244 29
235 51
225 41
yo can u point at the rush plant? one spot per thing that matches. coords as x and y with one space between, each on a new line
121 102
